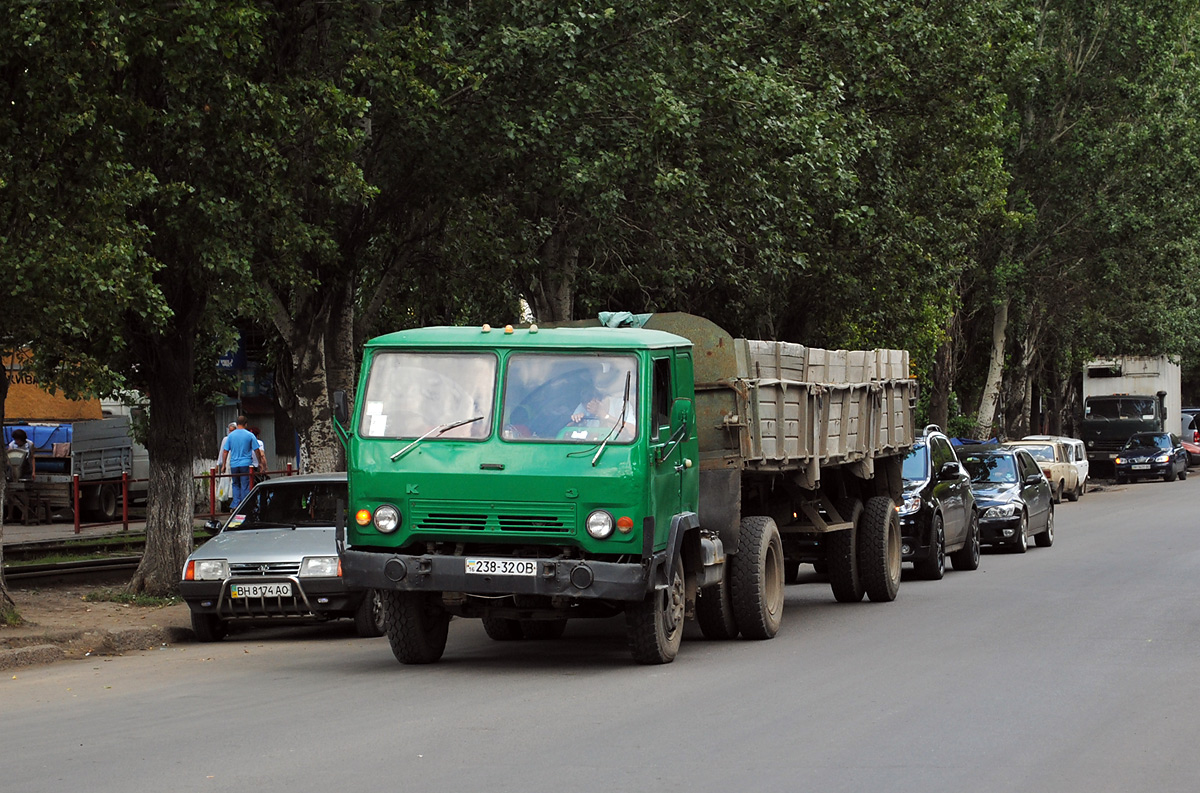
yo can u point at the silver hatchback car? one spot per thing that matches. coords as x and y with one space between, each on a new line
275 559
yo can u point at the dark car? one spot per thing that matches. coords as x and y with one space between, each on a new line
938 515
276 559
1151 454
1012 495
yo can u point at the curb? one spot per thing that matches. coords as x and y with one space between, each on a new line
48 648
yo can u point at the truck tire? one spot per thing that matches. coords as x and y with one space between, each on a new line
543 629
714 609
106 503
791 571
967 557
500 629
417 626
841 555
879 549
209 627
933 567
758 578
654 626
368 617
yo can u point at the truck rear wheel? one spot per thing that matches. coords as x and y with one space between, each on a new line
842 555
543 629
879 549
417 626
714 609
654 626
500 629
758 578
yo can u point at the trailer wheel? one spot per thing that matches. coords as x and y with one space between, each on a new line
714 609
417 626
500 629
842 556
543 629
654 626
758 579
368 617
879 549
105 508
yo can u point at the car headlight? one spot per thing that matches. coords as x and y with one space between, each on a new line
1163 458
387 518
600 524
322 566
1001 511
1119 460
910 505
206 570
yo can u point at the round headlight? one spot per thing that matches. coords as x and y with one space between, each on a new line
387 518
600 524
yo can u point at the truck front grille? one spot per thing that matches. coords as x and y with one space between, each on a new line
508 517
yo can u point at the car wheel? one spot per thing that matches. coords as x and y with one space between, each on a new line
1022 540
1045 538
209 627
967 557
368 617
1074 494
1170 476
933 567
1183 474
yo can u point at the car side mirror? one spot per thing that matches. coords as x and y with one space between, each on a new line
1033 479
948 471
212 526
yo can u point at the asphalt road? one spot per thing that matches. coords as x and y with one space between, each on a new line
1072 668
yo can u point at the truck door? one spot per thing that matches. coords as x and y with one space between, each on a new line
666 455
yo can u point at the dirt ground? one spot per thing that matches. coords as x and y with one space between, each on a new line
59 617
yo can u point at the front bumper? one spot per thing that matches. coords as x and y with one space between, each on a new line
1155 470
576 578
311 597
1000 531
914 537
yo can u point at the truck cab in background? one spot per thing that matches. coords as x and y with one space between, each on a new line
1124 395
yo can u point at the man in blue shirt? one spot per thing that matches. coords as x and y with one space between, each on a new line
240 447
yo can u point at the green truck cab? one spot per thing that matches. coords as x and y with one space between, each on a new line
528 476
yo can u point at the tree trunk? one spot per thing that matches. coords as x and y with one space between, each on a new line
6 601
553 291
985 418
171 447
944 372
312 413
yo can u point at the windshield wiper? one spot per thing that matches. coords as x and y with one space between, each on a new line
620 425
438 430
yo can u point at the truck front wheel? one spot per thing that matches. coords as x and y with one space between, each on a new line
417 626
879 549
714 609
655 625
758 578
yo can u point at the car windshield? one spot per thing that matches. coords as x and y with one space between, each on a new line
411 393
998 469
915 465
289 505
580 398
1043 454
1149 441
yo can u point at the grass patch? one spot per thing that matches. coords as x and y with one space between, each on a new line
10 617
121 596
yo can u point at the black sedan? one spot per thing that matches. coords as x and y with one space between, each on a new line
1012 495
1152 454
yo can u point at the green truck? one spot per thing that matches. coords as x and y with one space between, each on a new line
665 471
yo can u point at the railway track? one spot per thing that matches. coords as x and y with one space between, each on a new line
87 571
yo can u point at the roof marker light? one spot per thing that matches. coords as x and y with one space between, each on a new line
486 328
508 329
533 329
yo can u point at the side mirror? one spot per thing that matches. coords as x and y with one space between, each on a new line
212 526
341 409
1033 479
682 416
949 470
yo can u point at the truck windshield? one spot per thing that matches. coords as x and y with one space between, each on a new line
410 393
573 398
1121 408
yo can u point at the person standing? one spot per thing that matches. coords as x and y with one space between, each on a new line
240 448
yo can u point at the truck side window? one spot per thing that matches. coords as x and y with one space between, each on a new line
660 397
